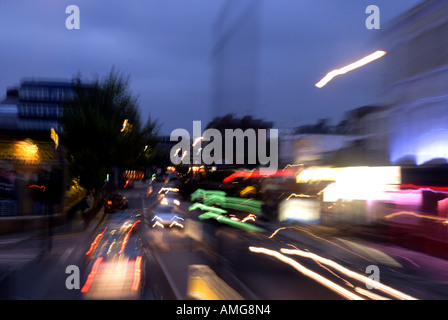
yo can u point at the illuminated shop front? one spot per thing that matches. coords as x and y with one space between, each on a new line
32 177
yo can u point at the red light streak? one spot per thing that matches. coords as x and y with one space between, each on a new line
257 174
40 187
97 238
137 273
126 238
92 275
413 186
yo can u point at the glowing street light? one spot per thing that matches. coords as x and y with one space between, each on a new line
372 57
125 124
197 140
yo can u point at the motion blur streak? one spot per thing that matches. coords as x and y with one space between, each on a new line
335 274
157 223
413 186
395 293
177 224
126 238
410 213
376 55
137 273
301 195
164 189
320 238
92 275
370 294
322 280
40 187
93 244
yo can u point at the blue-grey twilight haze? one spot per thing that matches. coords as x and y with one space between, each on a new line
166 49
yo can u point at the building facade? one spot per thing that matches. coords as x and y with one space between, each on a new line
32 164
39 103
417 77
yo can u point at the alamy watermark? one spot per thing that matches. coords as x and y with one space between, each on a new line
374 276
240 147
73 20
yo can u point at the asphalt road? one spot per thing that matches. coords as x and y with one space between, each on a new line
237 263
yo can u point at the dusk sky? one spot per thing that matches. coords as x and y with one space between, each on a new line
165 47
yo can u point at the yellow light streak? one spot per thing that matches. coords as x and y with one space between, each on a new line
251 216
370 294
320 238
410 213
157 223
166 190
301 195
322 280
125 123
391 291
374 56
175 223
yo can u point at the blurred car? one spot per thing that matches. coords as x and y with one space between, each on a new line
115 261
170 199
115 201
167 216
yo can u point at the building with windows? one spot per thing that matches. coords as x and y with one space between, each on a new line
32 165
39 103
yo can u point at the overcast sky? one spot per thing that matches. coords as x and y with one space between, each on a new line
165 47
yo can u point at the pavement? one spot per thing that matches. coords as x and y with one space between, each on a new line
19 251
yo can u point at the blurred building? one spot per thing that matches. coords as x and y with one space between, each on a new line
32 164
246 124
235 59
39 103
367 138
9 116
311 144
417 73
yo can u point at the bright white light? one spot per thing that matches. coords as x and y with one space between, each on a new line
363 183
197 140
376 55
307 272
389 290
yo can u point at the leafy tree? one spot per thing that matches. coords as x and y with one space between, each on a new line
102 130
147 145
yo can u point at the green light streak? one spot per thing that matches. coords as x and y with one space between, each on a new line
216 197
233 223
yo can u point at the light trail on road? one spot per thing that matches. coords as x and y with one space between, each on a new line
307 272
